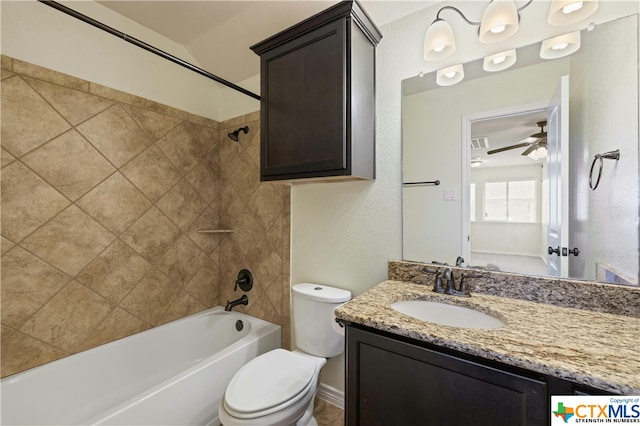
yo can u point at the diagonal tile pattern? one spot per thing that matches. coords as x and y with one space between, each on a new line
21 351
182 147
74 105
27 284
152 173
68 310
151 297
6 158
116 135
115 272
103 195
156 125
182 261
115 203
27 201
69 241
258 213
182 204
28 121
70 164
152 235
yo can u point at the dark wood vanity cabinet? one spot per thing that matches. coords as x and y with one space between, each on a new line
318 99
392 380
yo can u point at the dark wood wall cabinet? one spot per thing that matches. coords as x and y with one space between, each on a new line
318 97
392 380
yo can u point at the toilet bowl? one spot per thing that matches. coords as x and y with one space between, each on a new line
278 388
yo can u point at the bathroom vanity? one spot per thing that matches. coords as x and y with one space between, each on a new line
403 370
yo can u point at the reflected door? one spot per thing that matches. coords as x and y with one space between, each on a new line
558 179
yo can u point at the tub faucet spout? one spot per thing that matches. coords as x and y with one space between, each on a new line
244 300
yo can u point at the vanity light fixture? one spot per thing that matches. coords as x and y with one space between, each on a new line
500 21
450 75
559 46
439 41
567 12
499 61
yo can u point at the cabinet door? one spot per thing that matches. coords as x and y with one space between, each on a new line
303 105
396 383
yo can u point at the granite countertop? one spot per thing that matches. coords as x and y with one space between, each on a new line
596 349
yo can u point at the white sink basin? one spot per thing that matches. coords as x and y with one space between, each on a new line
450 315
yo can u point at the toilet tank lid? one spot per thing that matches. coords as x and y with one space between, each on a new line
321 293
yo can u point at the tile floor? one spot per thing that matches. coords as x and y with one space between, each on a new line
510 263
328 414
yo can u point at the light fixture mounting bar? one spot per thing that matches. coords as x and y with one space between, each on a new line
524 6
467 20
459 13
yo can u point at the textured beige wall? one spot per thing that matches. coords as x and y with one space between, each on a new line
102 196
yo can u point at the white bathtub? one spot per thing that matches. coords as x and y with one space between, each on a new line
174 374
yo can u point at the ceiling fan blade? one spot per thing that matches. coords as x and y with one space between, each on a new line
530 139
529 150
507 148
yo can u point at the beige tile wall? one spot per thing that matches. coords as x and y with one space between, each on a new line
260 214
102 196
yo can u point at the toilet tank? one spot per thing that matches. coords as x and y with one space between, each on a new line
314 327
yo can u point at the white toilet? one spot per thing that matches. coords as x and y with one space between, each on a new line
277 388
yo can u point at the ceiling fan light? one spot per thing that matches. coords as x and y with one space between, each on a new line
533 155
499 61
541 152
567 12
476 162
559 46
439 41
450 75
499 21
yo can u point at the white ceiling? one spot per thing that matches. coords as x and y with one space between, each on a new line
218 34
506 131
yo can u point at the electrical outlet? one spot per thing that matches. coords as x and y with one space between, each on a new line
449 194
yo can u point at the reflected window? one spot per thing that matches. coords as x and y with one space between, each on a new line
511 201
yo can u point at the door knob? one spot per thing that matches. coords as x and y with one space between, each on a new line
554 250
567 252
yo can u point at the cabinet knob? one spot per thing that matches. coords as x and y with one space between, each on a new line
554 250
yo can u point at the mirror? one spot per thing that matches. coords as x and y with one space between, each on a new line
506 212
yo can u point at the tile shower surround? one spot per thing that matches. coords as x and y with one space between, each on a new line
102 196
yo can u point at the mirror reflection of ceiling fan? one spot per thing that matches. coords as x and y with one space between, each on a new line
536 144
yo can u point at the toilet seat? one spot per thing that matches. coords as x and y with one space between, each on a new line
270 383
